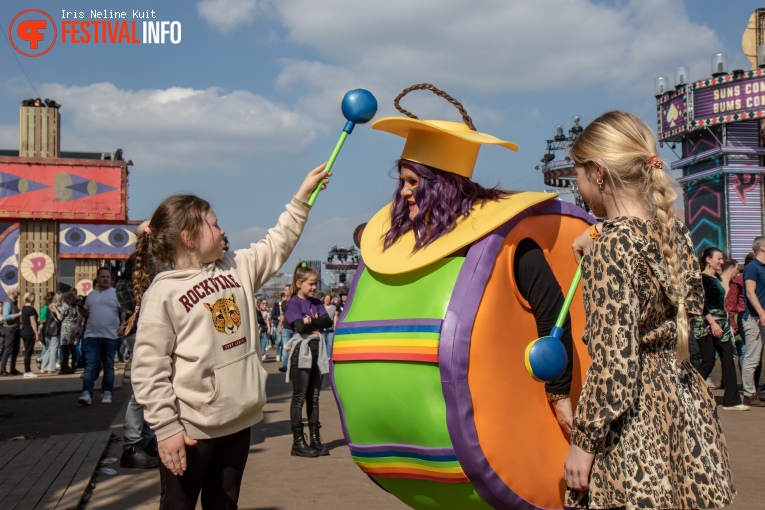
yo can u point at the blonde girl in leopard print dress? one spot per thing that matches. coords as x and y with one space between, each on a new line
646 432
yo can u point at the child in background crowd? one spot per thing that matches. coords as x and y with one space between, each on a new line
308 360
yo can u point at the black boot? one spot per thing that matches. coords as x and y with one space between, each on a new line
299 447
316 439
136 457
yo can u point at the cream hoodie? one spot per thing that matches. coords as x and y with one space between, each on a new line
196 364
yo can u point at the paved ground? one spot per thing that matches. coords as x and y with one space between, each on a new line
275 480
47 405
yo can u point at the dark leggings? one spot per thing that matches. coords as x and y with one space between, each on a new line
214 467
29 347
66 351
708 345
306 387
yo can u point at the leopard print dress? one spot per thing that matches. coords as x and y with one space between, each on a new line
648 417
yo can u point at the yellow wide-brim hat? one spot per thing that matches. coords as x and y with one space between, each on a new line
449 146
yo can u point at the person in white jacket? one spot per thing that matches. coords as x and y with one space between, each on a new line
197 368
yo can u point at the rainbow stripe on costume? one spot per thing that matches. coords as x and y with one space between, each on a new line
405 461
393 340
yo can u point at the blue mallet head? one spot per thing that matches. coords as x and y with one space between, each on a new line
546 358
358 106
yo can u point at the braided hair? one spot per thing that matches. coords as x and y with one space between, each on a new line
176 221
625 148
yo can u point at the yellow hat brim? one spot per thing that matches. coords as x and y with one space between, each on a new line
449 146
399 258
401 126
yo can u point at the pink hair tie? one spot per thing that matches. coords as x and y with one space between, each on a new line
147 230
137 308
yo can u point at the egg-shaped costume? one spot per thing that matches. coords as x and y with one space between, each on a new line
428 362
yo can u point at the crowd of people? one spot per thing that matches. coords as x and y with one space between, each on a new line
59 330
275 332
731 327
60 327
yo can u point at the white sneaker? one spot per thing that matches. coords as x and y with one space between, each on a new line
29 375
740 407
264 357
107 398
84 398
278 357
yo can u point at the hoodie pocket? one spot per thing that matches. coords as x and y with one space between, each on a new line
240 390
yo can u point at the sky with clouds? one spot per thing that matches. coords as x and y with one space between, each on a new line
249 100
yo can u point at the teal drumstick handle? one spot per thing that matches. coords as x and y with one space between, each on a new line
327 168
569 298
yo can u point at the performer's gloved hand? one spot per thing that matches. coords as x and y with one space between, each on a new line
564 414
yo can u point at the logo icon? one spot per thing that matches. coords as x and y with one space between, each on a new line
32 32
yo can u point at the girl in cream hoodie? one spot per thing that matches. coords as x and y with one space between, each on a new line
196 368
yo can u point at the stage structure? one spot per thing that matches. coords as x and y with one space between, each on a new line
348 262
58 206
719 123
559 173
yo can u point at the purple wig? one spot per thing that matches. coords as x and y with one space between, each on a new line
442 198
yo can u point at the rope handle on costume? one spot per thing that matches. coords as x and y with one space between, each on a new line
427 86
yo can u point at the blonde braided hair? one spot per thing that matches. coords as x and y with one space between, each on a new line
625 147
158 244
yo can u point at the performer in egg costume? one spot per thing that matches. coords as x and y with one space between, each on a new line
428 363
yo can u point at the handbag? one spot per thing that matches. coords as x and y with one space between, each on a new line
52 326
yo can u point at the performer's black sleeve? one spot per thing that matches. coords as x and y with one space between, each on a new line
306 329
537 284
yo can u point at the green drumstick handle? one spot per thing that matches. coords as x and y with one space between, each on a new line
327 168
569 297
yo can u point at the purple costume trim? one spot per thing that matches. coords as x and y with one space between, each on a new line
340 324
393 322
407 448
339 404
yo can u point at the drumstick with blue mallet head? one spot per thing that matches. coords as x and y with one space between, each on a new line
358 107
546 357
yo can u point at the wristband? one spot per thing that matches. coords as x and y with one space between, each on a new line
593 231
553 397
